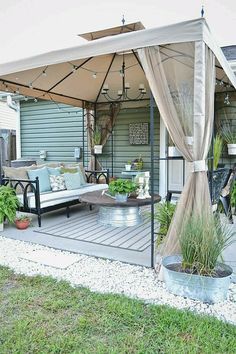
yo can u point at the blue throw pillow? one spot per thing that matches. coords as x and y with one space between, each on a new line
72 180
82 179
43 175
54 171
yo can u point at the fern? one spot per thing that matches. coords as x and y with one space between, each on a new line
9 204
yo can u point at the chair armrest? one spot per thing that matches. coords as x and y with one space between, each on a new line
96 175
25 186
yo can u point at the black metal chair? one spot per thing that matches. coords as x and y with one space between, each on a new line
218 180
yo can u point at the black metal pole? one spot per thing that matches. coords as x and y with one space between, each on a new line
212 153
112 153
83 135
152 179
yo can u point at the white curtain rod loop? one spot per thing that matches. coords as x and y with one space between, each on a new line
199 166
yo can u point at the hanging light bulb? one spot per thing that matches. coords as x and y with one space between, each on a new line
74 69
17 90
122 73
30 85
44 73
6 88
26 98
35 100
94 75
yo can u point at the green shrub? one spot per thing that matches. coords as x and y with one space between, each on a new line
202 241
9 203
163 214
233 196
122 186
218 146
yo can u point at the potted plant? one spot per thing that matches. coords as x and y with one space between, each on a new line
121 188
196 273
230 139
22 222
137 164
9 204
128 166
97 141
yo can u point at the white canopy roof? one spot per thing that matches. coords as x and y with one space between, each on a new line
76 75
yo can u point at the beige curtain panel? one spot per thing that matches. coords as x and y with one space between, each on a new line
182 80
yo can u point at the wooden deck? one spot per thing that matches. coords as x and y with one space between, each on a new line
87 229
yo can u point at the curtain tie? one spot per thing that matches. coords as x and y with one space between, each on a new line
199 166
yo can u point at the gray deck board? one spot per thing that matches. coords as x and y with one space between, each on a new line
87 229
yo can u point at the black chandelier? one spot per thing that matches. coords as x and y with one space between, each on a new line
122 94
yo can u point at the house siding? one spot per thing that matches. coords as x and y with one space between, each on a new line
58 129
123 151
8 117
223 114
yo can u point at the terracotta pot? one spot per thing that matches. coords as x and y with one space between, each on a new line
22 224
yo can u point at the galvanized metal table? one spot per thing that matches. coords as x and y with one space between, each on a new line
113 213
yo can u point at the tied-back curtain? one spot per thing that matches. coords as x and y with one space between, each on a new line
90 130
105 121
182 80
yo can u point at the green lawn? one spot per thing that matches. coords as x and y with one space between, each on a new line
41 315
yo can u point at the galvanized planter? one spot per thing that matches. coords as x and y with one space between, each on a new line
197 287
119 217
121 198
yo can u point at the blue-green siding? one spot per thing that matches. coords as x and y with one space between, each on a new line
46 127
123 151
226 113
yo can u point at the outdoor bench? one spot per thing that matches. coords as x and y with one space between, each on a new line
32 201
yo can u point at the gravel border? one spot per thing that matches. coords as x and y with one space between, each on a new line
106 276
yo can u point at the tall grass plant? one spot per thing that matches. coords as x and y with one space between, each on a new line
202 241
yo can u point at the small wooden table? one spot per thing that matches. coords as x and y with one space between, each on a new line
113 213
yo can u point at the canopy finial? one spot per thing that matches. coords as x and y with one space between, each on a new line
202 11
123 20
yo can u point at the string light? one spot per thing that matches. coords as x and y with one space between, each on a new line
94 75
44 73
30 85
35 100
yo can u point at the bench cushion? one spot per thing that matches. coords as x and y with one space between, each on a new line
54 198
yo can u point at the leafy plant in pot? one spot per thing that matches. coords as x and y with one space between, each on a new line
9 204
22 222
197 273
128 166
121 188
230 138
97 141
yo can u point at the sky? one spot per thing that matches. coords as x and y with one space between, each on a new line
31 27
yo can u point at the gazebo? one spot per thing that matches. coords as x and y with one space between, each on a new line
178 67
